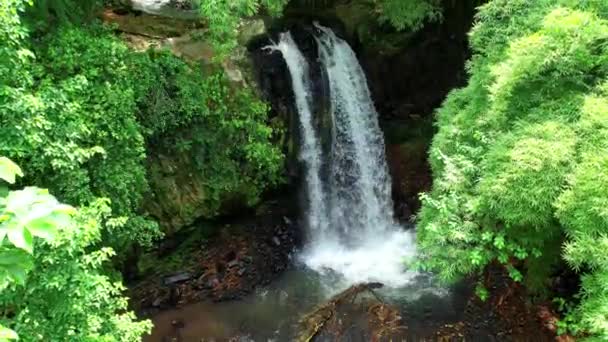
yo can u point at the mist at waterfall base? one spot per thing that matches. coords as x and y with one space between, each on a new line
349 217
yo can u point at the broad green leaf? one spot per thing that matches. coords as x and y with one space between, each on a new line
42 228
9 170
7 334
15 257
21 238
17 273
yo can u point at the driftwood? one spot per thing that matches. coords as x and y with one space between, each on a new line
313 322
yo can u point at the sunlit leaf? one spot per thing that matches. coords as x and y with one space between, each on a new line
21 238
9 170
7 334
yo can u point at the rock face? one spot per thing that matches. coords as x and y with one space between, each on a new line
409 75
177 197
237 258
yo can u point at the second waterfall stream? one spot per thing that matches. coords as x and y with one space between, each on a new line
349 212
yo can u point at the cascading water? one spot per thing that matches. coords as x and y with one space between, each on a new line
350 218
310 149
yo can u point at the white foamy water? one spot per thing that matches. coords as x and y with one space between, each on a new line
350 212
310 148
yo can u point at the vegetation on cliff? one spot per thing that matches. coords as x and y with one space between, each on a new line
78 111
520 159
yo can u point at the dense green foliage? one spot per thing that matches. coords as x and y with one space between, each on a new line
73 125
224 18
79 115
520 158
408 14
58 290
224 128
80 111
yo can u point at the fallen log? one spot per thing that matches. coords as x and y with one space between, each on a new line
313 322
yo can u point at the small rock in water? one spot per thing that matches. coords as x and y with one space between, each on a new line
157 302
276 241
177 324
287 220
177 278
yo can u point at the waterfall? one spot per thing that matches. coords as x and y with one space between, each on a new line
350 212
310 147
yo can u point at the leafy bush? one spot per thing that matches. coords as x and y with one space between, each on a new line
224 18
223 127
73 126
409 14
83 109
57 291
78 110
520 157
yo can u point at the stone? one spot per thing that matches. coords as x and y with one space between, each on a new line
177 323
249 29
276 241
232 263
157 302
166 8
287 221
177 278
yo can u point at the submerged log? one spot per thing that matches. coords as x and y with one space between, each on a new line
315 321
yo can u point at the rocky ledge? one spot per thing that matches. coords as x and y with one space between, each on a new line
231 263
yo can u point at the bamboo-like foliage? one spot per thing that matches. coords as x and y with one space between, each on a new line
520 158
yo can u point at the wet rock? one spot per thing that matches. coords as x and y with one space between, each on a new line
249 29
230 265
177 278
157 302
177 324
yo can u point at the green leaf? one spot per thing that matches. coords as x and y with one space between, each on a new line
7 334
42 228
9 170
15 257
17 273
21 238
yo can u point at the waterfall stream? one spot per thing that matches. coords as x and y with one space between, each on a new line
349 210
310 148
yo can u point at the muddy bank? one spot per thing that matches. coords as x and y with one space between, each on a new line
226 264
